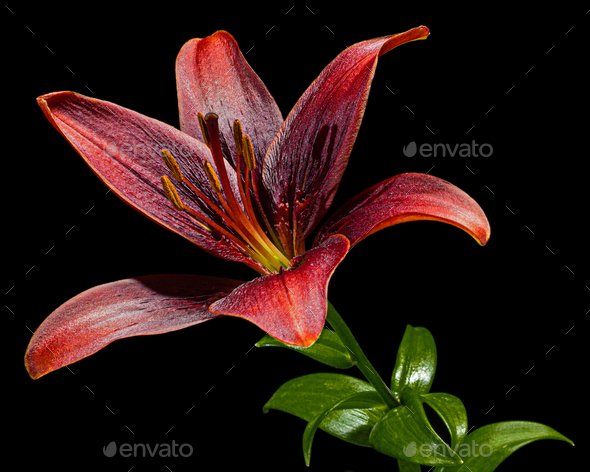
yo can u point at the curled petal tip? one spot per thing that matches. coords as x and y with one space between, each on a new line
414 34
479 228
38 358
36 365
485 237
421 32
43 98
31 366
46 96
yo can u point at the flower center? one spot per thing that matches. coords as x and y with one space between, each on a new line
239 222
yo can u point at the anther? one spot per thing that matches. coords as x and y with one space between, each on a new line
212 176
204 131
248 151
172 165
171 193
238 136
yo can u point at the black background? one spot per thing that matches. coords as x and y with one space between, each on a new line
495 312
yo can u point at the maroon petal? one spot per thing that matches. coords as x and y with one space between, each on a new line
212 75
123 148
145 305
305 162
406 197
291 306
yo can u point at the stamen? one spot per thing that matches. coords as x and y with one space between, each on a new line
199 219
244 194
212 176
248 153
232 219
260 240
211 122
238 136
204 131
171 193
172 165
240 223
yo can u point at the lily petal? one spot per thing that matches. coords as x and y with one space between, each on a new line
145 305
305 162
123 148
290 306
212 75
406 197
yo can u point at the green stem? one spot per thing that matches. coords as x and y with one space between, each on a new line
358 356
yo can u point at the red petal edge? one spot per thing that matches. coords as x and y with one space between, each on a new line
406 197
290 306
132 307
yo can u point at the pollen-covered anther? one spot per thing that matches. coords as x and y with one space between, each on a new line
238 136
204 132
172 164
212 176
248 151
171 193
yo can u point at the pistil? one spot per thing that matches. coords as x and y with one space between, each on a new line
245 151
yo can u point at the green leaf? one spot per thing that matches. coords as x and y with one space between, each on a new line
416 362
485 448
452 412
406 434
328 349
362 400
405 466
308 396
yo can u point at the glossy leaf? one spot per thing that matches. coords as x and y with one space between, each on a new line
452 412
359 357
405 466
308 396
416 362
485 448
328 349
448 407
405 433
362 400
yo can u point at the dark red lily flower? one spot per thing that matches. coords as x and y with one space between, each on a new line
248 187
